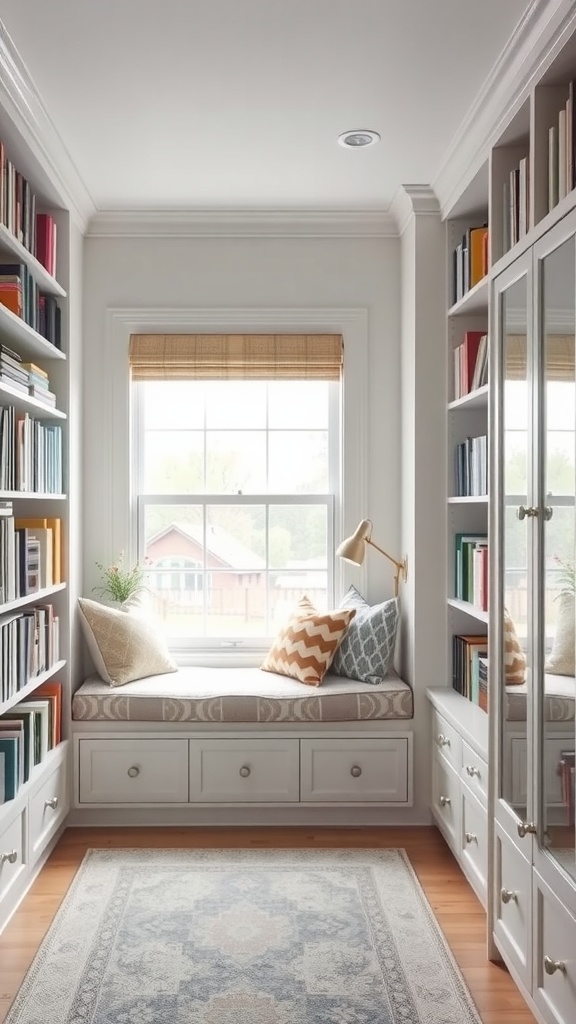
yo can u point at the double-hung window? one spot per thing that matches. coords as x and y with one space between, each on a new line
237 468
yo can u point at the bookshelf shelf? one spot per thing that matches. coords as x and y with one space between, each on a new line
36 495
468 609
40 595
476 499
10 244
474 301
474 400
31 686
22 402
30 344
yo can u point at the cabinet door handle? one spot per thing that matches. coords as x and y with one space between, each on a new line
445 801
53 803
356 771
508 894
551 966
442 740
9 858
133 771
470 837
524 827
471 770
526 513
245 771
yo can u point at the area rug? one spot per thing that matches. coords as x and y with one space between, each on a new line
244 937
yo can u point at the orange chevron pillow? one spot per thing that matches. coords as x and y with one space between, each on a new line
306 644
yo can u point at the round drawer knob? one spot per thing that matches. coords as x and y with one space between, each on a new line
470 837
245 771
442 740
356 771
551 966
9 858
508 894
53 803
445 801
471 770
134 771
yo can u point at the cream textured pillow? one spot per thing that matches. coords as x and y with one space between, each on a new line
561 659
514 657
305 646
123 646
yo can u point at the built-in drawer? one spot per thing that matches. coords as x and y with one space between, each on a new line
513 905
446 740
244 771
355 770
474 772
474 843
48 808
12 851
133 771
446 800
554 966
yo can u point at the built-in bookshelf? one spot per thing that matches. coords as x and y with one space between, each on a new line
34 516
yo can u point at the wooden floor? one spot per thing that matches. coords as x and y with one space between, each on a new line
460 915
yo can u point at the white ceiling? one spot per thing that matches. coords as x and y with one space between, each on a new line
237 104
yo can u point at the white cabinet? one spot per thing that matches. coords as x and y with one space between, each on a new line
244 771
133 771
358 771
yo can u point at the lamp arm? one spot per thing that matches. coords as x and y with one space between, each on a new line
401 566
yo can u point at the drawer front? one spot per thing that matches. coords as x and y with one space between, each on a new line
474 844
127 771
446 800
12 852
48 808
513 905
446 740
554 947
355 771
244 771
474 772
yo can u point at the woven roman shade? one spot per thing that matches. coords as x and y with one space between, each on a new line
559 356
236 356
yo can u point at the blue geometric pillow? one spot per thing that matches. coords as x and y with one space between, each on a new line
367 647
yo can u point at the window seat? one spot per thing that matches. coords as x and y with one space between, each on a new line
241 695
559 699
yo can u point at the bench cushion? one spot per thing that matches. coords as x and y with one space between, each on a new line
241 695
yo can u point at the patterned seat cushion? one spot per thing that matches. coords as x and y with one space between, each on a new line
367 648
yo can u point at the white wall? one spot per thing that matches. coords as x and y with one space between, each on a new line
214 274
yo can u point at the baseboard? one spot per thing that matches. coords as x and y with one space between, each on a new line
341 816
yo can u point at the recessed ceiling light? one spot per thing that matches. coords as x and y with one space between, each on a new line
360 137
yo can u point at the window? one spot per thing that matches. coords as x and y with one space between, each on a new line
237 484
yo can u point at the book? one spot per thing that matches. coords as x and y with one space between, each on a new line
552 167
477 256
54 524
9 749
52 691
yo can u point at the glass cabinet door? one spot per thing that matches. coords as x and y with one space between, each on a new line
514 406
555 566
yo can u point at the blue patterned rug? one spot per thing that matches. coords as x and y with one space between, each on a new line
244 937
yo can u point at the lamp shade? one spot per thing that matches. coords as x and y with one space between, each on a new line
353 548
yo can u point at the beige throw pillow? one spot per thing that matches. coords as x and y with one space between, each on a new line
514 657
123 646
561 659
305 646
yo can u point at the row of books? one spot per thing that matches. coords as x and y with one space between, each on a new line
35 230
470 363
29 645
25 377
28 731
470 667
30 453
20 293
30 555
470 260
515 206
471 467
561 151
471 569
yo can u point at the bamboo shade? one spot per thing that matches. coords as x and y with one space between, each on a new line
559 356
236 356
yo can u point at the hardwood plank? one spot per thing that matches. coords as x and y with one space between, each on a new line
455 905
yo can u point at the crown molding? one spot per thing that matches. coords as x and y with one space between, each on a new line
24 106
241 224
410 201
504 90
